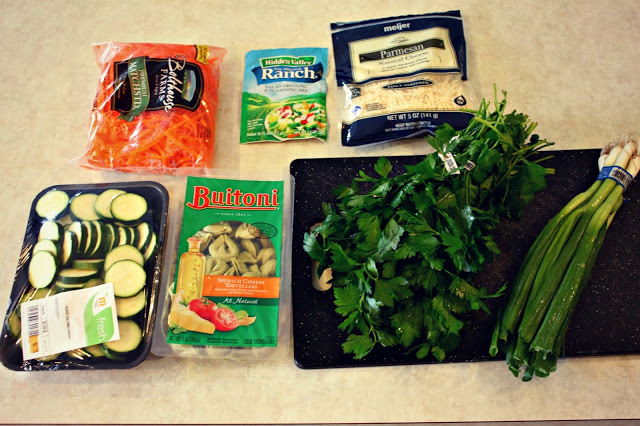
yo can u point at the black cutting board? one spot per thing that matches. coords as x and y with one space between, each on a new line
606 321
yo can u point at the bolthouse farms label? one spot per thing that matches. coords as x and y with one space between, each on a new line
227 286
152 84
284 95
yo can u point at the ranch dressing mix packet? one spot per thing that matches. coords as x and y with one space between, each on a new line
227 284
284 95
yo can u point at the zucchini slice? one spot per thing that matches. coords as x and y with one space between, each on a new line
130 338
76 276
82 206
144 233
93 282
123 235
81 235
103 203
126 307
14 324
127 277
94 351
96 264
51 230
94 237
69 248
52 204
46 245
151 248
128 208
121 253
133 236
60 286
42 269
115 236
89 237
99 229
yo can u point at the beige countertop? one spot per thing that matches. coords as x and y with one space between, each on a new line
571 66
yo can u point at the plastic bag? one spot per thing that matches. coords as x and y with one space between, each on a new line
155 108
400 77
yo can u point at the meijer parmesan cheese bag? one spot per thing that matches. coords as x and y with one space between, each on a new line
401 77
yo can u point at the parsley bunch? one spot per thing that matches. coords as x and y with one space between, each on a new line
404 248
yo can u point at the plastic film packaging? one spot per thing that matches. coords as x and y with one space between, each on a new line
226 283
155 107
400 77
65 250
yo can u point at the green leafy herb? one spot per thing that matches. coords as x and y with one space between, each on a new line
176 329
404 248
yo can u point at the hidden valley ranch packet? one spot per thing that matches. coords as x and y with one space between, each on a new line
284 95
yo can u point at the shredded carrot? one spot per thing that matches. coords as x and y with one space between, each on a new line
155 139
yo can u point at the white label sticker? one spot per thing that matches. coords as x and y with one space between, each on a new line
69 320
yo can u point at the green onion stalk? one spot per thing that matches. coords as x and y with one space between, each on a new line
531 327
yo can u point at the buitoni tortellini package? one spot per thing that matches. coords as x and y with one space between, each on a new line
226 288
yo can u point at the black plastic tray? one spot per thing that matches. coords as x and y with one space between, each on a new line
158 205
607 320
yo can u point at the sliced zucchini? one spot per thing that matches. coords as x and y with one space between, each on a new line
77 276
93 282
37 294
126 307
94 351
109 354
14 325
127 277
151 248
106 241
51 230
52 204
123 252
103 203
42 269
82 207
96 264
130 338
144 233
115 236
81 234
69 248
128 208
133 236
98 228
61 286
93 237
46 245
123 235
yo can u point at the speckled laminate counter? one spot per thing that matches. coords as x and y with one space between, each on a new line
572 66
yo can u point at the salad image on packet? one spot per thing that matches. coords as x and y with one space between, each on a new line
284 95
227 286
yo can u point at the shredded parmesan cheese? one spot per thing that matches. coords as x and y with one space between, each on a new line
442 92
401 77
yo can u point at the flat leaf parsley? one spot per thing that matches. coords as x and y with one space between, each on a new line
404 249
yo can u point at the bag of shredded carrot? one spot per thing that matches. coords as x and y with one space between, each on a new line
155 108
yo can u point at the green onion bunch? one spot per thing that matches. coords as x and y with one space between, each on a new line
531 328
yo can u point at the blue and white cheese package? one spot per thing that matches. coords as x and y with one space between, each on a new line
401 77
284 95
